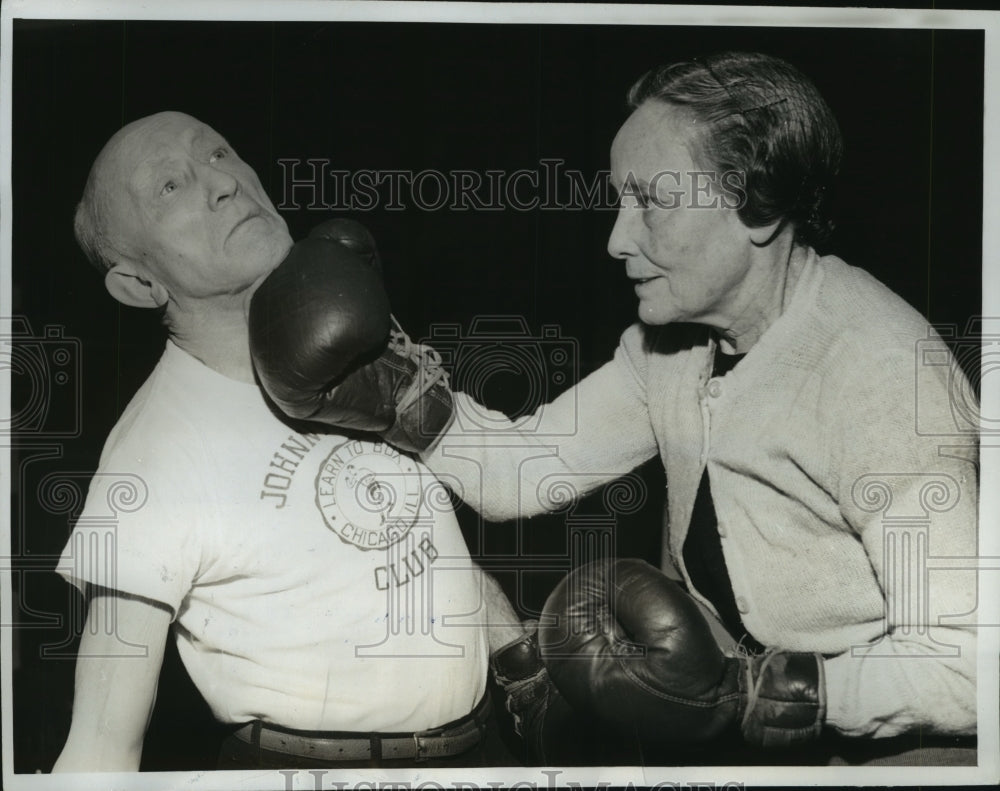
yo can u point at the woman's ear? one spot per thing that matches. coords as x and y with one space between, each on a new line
133 286
765 234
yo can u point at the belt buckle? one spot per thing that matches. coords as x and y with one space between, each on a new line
418 748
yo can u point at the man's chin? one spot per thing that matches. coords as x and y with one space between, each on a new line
252 288
277 250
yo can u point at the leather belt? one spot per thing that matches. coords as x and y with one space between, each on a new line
450 739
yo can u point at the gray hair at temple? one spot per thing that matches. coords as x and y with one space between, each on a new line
98 212
89 226
763 118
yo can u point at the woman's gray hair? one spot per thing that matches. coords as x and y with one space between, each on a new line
763 120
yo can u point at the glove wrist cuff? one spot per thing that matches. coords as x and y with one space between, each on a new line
519 659
782 698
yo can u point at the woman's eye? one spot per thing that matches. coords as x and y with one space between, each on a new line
169 187
219 153
634 195
636 200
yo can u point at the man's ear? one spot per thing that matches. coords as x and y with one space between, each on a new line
133 286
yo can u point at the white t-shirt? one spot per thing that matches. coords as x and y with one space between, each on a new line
311 576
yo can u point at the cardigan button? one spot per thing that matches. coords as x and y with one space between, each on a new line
722 530
715 388
742 605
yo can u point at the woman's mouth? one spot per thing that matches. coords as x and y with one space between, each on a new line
643 281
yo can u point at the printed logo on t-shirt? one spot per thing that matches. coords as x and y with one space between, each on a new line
369 494
282 467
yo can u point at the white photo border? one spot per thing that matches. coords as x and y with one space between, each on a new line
988 770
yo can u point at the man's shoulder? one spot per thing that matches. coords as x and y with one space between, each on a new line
161 417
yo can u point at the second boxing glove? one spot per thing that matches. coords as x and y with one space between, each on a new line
629 646
326 347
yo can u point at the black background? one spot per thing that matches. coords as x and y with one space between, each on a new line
420 96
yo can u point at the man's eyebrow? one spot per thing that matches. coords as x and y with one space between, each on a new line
207 133
147 171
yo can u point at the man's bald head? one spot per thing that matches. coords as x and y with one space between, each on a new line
171 212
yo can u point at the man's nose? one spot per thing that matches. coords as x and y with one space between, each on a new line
221 186
621 243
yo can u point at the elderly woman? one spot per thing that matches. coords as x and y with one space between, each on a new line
777 387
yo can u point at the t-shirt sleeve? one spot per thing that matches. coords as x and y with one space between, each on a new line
138 531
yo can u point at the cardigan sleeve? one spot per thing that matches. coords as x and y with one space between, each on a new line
589 435
908 487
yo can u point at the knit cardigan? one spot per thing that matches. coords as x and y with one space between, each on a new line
843 475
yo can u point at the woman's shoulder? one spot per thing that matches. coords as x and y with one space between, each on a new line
863 304
856 329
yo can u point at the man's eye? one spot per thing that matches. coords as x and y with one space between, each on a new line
219 153
169 187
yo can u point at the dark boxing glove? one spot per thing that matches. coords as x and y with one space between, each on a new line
326 347
631 647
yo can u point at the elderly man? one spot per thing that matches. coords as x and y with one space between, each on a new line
309 575
777 388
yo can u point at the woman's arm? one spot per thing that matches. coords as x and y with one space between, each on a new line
589 435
